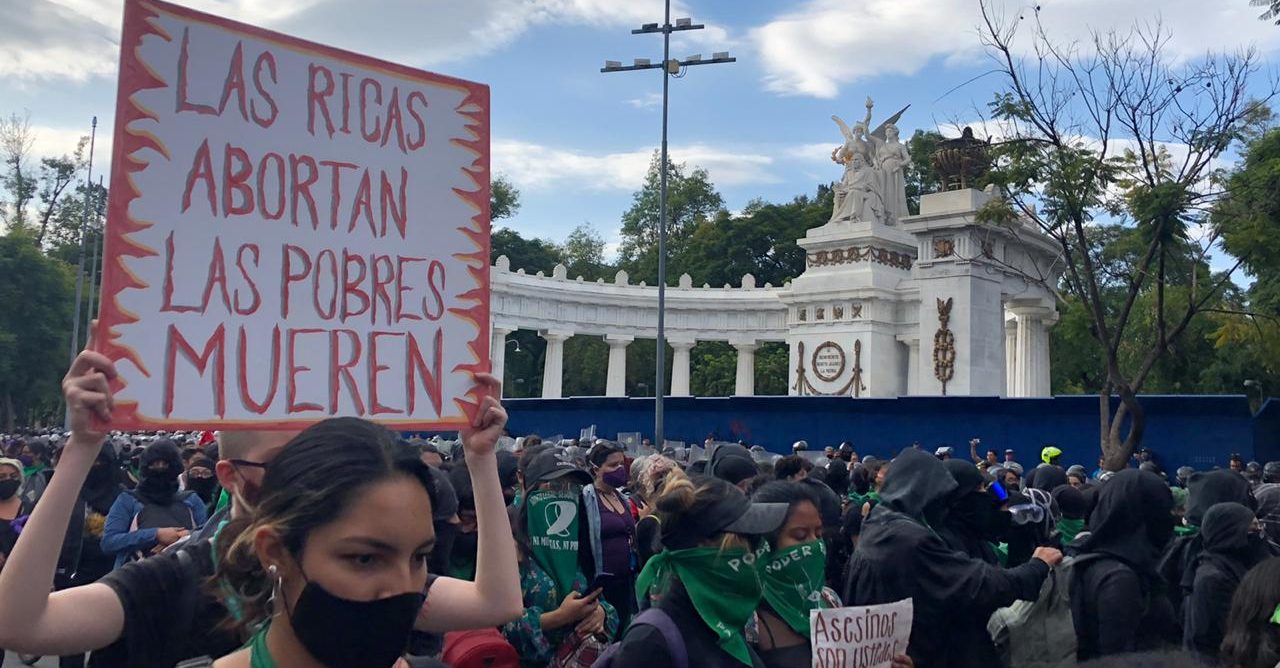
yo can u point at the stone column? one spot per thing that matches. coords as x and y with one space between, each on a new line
616 383
1031 375
745 385
913 367
680 367
498 352
1010 357
553 368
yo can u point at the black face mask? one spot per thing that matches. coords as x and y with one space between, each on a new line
980 512
465 545
158 486
354 634
203 487
8 488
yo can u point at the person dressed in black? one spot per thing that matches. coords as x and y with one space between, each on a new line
1115 603
1232 546
975 522
1204 491
900 556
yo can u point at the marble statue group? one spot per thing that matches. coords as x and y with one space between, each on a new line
873 187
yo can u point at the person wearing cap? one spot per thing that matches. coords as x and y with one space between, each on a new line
733 463
901 556
611 527
706 581
561 614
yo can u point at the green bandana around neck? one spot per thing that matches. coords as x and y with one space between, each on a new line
259 654
1070 528
553 535
724 586
793 580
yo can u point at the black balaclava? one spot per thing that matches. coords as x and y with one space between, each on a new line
1209 488
1132 519
159 487
1228 542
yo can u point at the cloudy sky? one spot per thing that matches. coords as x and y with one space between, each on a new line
577 142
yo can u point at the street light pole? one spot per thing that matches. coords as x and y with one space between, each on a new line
669 69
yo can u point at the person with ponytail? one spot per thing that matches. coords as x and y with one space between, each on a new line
793 575
705 582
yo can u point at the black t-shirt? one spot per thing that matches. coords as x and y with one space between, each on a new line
170 614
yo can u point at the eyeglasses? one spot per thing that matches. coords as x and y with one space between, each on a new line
248 464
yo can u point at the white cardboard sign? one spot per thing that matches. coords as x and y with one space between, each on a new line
295 232
867 636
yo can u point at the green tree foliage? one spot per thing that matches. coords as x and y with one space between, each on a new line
583 253
504 198
35 315
691 200
921 179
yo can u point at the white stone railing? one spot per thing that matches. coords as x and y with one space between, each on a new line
558 307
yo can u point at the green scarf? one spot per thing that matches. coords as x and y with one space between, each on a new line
1275 616
259 655
1185 530
724 586
1068 529
793 581
553 535
28 471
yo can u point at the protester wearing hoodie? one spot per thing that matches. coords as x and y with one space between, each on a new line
1115 603
1232 546
1204 490
975 522
900 556
154 515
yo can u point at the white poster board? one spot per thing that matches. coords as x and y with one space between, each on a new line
295 232
867 636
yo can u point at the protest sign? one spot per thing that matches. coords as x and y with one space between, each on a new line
294 232
867 636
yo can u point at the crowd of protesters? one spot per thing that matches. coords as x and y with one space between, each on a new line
346 544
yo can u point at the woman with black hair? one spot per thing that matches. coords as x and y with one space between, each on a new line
793 575
1252 637
611 528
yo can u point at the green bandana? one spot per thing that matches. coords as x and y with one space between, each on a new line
1275 616
793 581
723 585
553 535
1068 529
259 655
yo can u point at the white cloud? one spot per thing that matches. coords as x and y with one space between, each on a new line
79 39
825 44
648 101
534 166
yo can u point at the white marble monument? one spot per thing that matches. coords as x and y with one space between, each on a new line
889 304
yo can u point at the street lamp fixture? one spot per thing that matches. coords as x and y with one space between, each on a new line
671 67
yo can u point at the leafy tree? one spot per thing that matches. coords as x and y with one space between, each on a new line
713 369
691 199
583 253
35 314
1071 118
532 255
504 198
921 178
17 181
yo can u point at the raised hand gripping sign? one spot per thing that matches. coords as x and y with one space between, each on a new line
294 232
